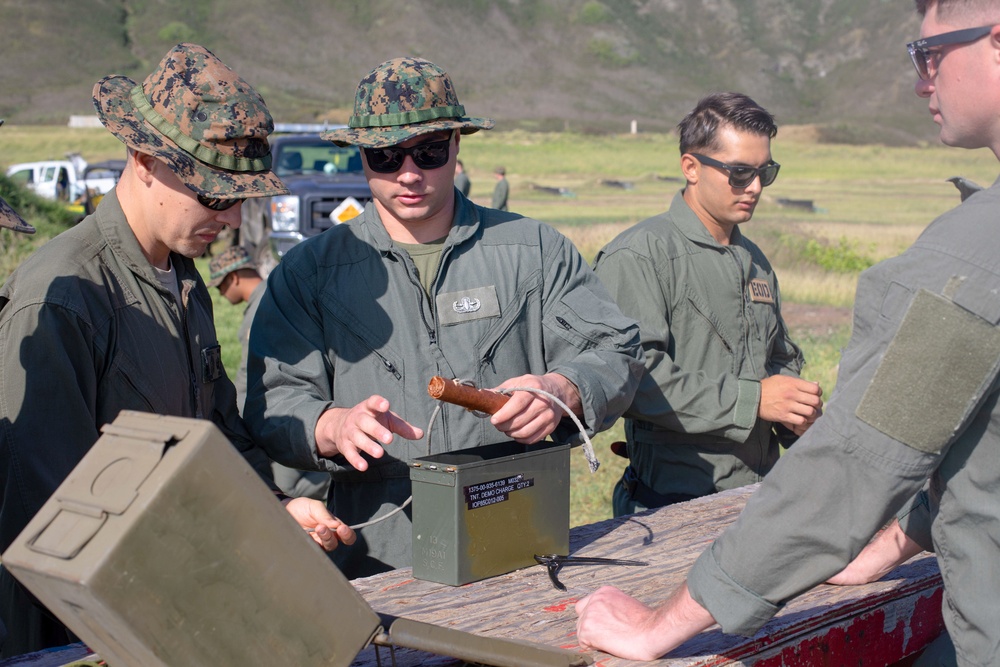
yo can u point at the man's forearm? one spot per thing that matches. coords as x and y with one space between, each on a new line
615 623
883 554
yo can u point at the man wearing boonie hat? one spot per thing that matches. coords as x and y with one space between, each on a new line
356 321
113 315
10 219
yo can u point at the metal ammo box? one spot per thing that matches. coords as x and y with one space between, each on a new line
486 511
164 547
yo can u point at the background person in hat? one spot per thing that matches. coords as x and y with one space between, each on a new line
356 320
234 274
112 314
917 406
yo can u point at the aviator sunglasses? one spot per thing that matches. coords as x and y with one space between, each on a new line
924 56
388 160
218 204
740 176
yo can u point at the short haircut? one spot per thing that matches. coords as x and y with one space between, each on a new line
699 130
982 11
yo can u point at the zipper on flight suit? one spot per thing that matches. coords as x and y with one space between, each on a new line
185 291
423 299
386 363
520 298
711 325
762 445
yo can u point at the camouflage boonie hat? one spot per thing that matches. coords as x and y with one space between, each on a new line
197 115
10 219
404 98
228 261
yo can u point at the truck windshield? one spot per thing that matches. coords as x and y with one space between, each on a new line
319 157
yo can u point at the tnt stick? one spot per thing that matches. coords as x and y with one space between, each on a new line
470 398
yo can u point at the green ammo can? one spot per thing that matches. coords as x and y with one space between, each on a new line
486 511
164 547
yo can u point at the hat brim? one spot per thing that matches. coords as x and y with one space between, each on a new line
112 100
380 137
11 220
245 263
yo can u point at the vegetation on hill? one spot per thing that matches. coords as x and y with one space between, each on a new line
585 65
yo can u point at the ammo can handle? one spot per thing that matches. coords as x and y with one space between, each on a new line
470 398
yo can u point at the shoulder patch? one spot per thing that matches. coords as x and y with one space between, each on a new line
934 373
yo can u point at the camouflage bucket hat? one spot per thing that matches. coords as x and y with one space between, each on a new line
10 219
404 98
228 261
199 117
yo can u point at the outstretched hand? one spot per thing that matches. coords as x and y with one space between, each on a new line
364 428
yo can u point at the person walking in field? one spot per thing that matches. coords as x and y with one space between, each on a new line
501 190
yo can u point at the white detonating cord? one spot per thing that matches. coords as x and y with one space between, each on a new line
588 446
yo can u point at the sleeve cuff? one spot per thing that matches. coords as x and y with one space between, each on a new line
737 610
747 404
915 519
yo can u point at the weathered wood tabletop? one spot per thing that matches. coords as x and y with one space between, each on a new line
876 624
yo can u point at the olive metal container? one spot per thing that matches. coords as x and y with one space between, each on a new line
486 511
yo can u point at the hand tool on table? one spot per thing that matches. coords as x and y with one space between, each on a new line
555 562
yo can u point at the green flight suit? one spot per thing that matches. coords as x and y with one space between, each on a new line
711 328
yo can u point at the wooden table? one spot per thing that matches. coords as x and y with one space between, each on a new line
877 624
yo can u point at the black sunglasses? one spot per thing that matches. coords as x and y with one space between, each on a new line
218 204
432 155
924 58
740 176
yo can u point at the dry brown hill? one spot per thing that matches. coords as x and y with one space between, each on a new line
591 65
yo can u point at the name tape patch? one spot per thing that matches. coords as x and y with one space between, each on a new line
760 291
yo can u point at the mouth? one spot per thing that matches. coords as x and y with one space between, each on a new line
410 198
207 237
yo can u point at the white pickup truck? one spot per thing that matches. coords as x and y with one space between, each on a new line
68 181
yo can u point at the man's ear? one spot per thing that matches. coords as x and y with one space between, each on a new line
995 43
691 168
144 164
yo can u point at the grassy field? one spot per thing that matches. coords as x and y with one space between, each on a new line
868 203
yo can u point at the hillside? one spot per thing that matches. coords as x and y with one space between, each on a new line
590 65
